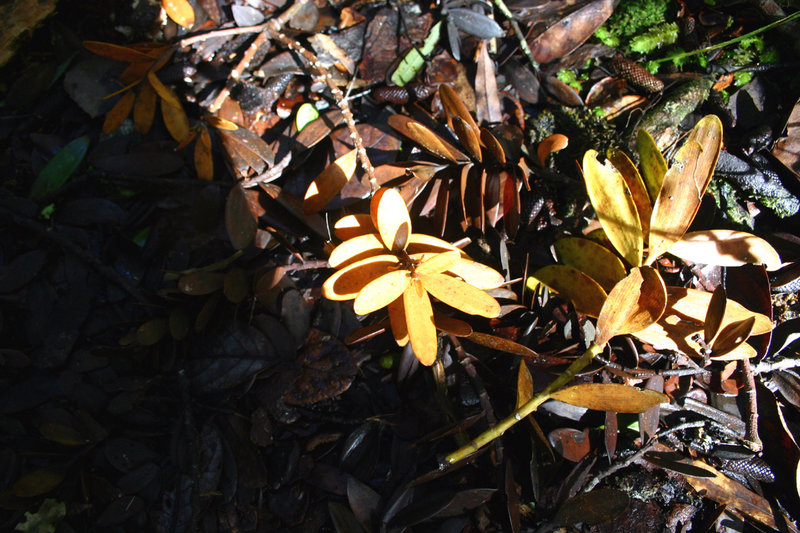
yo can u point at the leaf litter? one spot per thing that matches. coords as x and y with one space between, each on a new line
218 314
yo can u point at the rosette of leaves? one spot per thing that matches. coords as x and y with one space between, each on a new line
651 211
382 263
486 170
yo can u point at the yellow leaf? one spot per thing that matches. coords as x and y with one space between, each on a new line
610 397
355 249
460 295
179 11
328 184
145 109
615 208
420 243
585 293
350 226
726 247
390 216
347 282
594 260
653 165
203 158
439 262
419 321
684 186
635 302
175 120
477 274
397 321
117 115
380 292
220 123
641 198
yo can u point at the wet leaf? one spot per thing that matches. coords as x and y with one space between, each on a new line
593 259
610 397
595 507
390 216
460 295
635 302
60 168
419 322
614 205
654 168
585 293
725 247
570 32
179 11
328 184
684 185
380 292
117 115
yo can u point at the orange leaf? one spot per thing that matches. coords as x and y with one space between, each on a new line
221 123
356 249
179 11
524 384
380 292
346 283
615 208
455 107
425 138
636 302
145 109
594 260
328 184
610 397
460 295
553 143
585 293
419 321
163 91
350 226
468 137
477 274
117 52
117 115
397 320
439 262
653 165
175 120
390 216
451 326
726 247
684 186
203 158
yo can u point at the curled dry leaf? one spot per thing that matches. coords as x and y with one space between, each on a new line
610 397
726 247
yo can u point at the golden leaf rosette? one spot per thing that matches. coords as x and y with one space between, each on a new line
381 263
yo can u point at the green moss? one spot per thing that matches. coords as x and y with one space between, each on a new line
630 17
569 77
654 38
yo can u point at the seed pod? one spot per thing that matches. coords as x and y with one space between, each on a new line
635 74
403 95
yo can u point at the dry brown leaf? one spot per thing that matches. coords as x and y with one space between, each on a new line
524 384
330 182
350 226
570 32
426 138
239 219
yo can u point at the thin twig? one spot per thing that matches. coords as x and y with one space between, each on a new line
751 437
523 43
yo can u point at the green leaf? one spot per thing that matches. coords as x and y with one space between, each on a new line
306 114
415 58
59 169
45 520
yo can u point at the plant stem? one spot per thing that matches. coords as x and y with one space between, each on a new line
731 41
524 410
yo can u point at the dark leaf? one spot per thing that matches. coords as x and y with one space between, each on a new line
475 23
59 169
595 507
